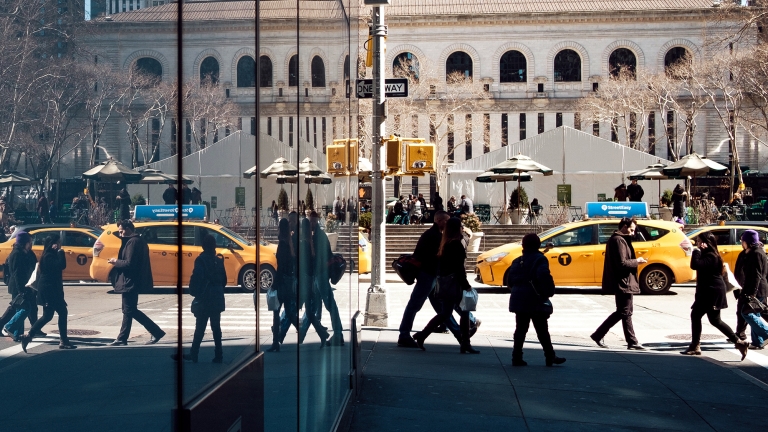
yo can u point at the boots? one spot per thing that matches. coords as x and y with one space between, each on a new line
554 360
466 348
275 347
693 349
743 347
517 360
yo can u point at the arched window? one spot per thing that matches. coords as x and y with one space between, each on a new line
150 67
458 63
675 56
265 70
293 71
209 69
567 66
622 58
318 72
246 72
346 67
513 67
406 65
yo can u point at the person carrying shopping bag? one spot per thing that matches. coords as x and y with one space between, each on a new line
750 271
285 283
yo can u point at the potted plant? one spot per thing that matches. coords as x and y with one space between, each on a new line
518 205
282 203
472 222
331 225
309 202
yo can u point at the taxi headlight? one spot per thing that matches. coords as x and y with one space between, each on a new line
496 257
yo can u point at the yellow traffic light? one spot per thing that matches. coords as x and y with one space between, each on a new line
369 54
338 157
353 155
394 147
419 157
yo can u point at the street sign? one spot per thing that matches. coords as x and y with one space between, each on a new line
240 196
393 87
168 212
564 194
617 209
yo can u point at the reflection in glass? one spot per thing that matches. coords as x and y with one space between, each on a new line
246 72
209 69
567 66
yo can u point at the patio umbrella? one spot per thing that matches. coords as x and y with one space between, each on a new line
694 165
307 167
280 166
14 178
520 164
491 177
113 171
152 176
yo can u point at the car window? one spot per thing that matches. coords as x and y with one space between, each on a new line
167 235
723 236
38 239
576 237
739 231
78 239
605 231
222 240
649 233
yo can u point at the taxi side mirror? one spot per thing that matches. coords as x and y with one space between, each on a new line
549 245
231 246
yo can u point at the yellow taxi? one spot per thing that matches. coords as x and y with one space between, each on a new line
577 253
363 254
728 237
76 242
239 254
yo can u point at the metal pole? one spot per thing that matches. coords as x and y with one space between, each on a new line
376 307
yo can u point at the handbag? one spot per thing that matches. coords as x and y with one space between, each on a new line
273 303
198 306
336 267
752 305
469 300
32 282
407 268
730 280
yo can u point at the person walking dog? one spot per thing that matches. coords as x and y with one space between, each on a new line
531 285
620 279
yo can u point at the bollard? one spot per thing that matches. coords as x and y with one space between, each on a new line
376 309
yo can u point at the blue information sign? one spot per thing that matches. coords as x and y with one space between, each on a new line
617 209
168 212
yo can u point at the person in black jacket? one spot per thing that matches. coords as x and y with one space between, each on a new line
186 194
21 264
620 279
50 292
170 195
425 253
750 271
679 197
206 285
133 276
285 283
309 297
530 284
452 279
635 192
125 204
321 254
710 294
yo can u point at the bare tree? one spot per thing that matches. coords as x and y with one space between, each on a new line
208 110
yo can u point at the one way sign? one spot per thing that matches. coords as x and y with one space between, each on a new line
393 87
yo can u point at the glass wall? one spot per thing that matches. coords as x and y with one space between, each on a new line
236 316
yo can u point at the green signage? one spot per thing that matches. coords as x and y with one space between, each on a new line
214 201
240 197
564 194
601 197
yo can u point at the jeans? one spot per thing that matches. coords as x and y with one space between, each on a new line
624 308
48 312
11 311
522 323
741 323
442 316
759 329
423 290
130 312
201 322
16 325
281 322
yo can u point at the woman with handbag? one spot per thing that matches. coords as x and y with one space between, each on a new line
750 271
710 294
285 284
206 285
531 285
21 264
309 291
50 292
451 281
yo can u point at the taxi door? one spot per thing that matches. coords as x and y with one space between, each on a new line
233 259
163 249
78 249
735 248
572 260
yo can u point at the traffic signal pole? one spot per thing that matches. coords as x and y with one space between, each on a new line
376 302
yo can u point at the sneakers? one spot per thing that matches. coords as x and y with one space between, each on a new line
6 333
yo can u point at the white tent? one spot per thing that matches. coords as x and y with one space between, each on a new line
591 165
218 169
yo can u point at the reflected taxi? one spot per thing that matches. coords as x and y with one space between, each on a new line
577 255
76 242
239 254
363 254
728 237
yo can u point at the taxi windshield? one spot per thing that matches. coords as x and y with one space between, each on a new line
236 236
551 231
694 233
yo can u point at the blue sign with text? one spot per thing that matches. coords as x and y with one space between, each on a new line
168 212
617 209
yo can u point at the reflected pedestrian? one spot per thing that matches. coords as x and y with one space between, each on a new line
437 202
620 279
170 195
750 270
206 285
322 254
21 264
197 196
309 296
710 296
50 292
43 209
635 192
133 276
531 284
186 194
285 283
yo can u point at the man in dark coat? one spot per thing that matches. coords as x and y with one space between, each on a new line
133 276
437 202
323 253
21 263
635 191
125 204
186 194
170 195
43 208
197 196
620 279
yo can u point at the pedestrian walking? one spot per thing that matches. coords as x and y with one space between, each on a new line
635 191
197 196
620 279
285 284
50 292
43 209
206 285
321 255
133 276
679 196
451 281
170 195
750 271
21 263
710 296
531 285
309 296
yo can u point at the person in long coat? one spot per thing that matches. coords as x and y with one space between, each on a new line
50 292
206 285
750 271
309 295
285 283
125 204
531 283
21 263
679 196
710 296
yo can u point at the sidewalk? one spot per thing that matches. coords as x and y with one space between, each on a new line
596 389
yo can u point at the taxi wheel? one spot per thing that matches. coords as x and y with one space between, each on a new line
248 278
655 279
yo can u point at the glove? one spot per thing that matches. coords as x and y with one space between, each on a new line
736 293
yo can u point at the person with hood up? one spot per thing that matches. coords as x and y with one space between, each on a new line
750 271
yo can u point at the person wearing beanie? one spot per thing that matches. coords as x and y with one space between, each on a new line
750 270
531 285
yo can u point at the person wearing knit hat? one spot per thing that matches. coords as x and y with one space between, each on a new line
751 266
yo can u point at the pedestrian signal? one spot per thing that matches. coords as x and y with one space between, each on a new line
394 147
419 156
